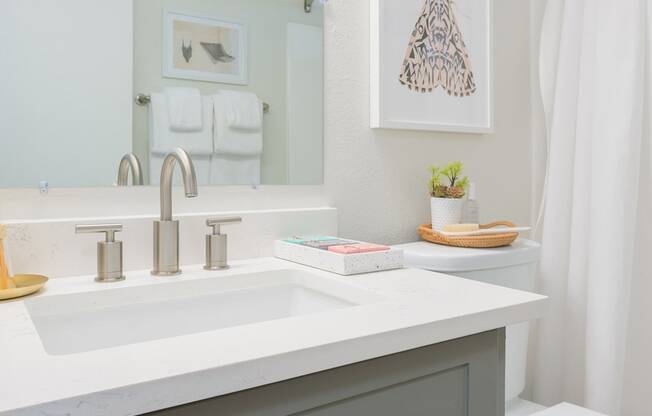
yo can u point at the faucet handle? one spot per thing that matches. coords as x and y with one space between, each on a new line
217 222
216 243
109 229
109 251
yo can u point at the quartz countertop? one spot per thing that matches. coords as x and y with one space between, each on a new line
416 308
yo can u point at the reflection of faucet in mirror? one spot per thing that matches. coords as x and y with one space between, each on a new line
130 161
166 231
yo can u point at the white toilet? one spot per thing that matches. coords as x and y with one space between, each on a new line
512 267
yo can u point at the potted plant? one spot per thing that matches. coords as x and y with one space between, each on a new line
447 197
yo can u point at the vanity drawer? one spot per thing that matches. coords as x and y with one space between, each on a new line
462 377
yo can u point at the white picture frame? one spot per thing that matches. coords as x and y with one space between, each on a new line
400 95
203 48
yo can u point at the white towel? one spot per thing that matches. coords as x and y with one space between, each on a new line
202 170
184 108
230 141
235 170
244 110
163 140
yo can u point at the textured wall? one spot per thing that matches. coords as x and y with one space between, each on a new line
378 178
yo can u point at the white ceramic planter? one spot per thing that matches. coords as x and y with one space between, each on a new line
444 211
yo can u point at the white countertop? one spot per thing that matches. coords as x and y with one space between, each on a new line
419 308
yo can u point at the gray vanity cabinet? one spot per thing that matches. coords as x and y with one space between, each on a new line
462 377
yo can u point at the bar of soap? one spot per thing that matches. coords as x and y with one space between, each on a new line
357 248
461 228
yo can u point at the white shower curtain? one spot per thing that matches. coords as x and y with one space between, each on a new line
593 65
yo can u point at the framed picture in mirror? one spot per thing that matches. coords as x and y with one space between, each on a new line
204 49
431 65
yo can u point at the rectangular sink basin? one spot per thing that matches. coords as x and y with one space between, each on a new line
88 321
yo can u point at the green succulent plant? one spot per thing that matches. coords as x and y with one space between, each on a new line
456 185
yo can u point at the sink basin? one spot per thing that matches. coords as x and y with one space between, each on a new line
88 321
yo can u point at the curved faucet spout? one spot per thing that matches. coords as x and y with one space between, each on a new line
130 161
189 180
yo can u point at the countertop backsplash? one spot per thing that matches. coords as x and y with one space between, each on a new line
51 247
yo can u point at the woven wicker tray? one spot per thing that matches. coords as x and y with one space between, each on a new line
476 241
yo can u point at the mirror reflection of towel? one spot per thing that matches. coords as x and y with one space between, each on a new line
244 110
235 170
236 140
162 139
184 108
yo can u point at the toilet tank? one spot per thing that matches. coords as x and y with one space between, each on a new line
512 266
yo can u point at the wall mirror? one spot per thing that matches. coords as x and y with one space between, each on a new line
237 83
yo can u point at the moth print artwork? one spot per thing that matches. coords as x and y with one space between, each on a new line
437 55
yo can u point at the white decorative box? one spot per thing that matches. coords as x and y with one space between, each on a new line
344 264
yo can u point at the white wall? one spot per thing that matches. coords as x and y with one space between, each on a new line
378 179
65 91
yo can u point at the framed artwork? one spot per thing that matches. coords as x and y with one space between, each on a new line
431 65
204 49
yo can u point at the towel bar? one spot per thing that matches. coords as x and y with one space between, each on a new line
144 99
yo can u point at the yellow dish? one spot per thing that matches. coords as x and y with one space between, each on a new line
26 284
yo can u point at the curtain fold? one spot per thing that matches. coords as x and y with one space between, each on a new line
592 77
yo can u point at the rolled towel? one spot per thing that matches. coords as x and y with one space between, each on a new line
244 110
162 139
184 108
232 141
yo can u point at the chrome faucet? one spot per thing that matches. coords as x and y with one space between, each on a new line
166 231
130 161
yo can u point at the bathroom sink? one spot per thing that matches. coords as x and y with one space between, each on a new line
81 322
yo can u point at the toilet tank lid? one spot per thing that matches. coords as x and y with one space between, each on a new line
435 257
